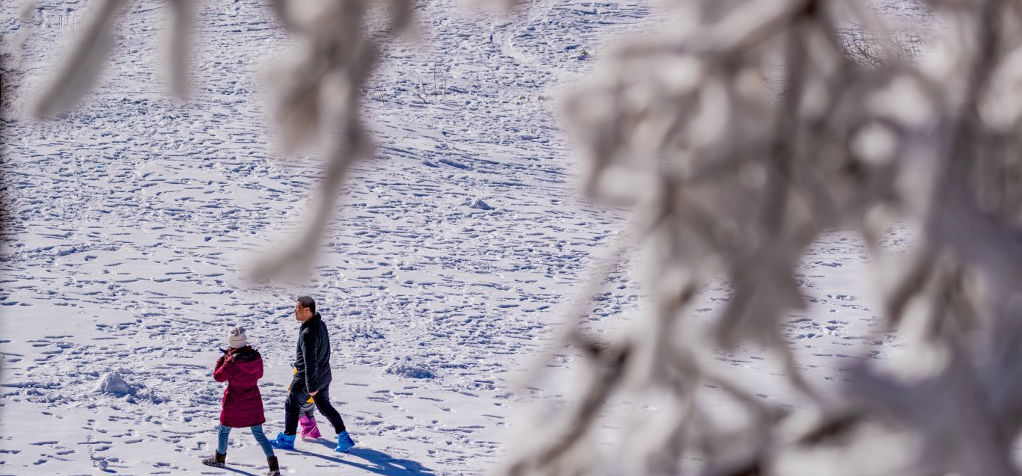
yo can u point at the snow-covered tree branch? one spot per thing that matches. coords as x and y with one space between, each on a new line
733 171
317 93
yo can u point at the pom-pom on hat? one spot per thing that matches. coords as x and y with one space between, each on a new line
236 338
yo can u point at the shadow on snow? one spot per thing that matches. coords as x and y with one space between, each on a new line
236 470
378 462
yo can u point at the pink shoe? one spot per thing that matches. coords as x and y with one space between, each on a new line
309 427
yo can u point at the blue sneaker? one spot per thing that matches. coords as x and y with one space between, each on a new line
283 442
344 442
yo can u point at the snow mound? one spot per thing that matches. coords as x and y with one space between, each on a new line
365 330
113 384
411 370
480 204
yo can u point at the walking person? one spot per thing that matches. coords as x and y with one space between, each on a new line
307 420
241 367
312 378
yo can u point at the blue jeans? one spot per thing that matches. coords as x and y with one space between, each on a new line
257 432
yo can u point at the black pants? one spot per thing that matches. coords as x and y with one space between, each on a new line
297 397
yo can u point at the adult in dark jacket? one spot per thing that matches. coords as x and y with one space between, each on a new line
312 378
241 367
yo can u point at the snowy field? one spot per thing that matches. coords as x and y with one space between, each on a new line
445 268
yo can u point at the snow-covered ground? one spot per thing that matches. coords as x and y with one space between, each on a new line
132 218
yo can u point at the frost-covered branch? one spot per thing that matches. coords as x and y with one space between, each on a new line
317 94
736 171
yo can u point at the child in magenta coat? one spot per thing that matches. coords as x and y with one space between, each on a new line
241 367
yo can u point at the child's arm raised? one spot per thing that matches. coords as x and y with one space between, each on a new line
225 369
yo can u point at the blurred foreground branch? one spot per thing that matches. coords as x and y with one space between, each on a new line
317 94
733 179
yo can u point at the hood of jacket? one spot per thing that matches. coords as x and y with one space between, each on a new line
244 354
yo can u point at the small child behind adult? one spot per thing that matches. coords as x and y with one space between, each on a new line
308 420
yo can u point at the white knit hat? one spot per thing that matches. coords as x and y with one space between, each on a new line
236 338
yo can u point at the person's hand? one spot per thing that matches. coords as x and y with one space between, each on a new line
313 394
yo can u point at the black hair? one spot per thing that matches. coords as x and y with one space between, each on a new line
308 302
